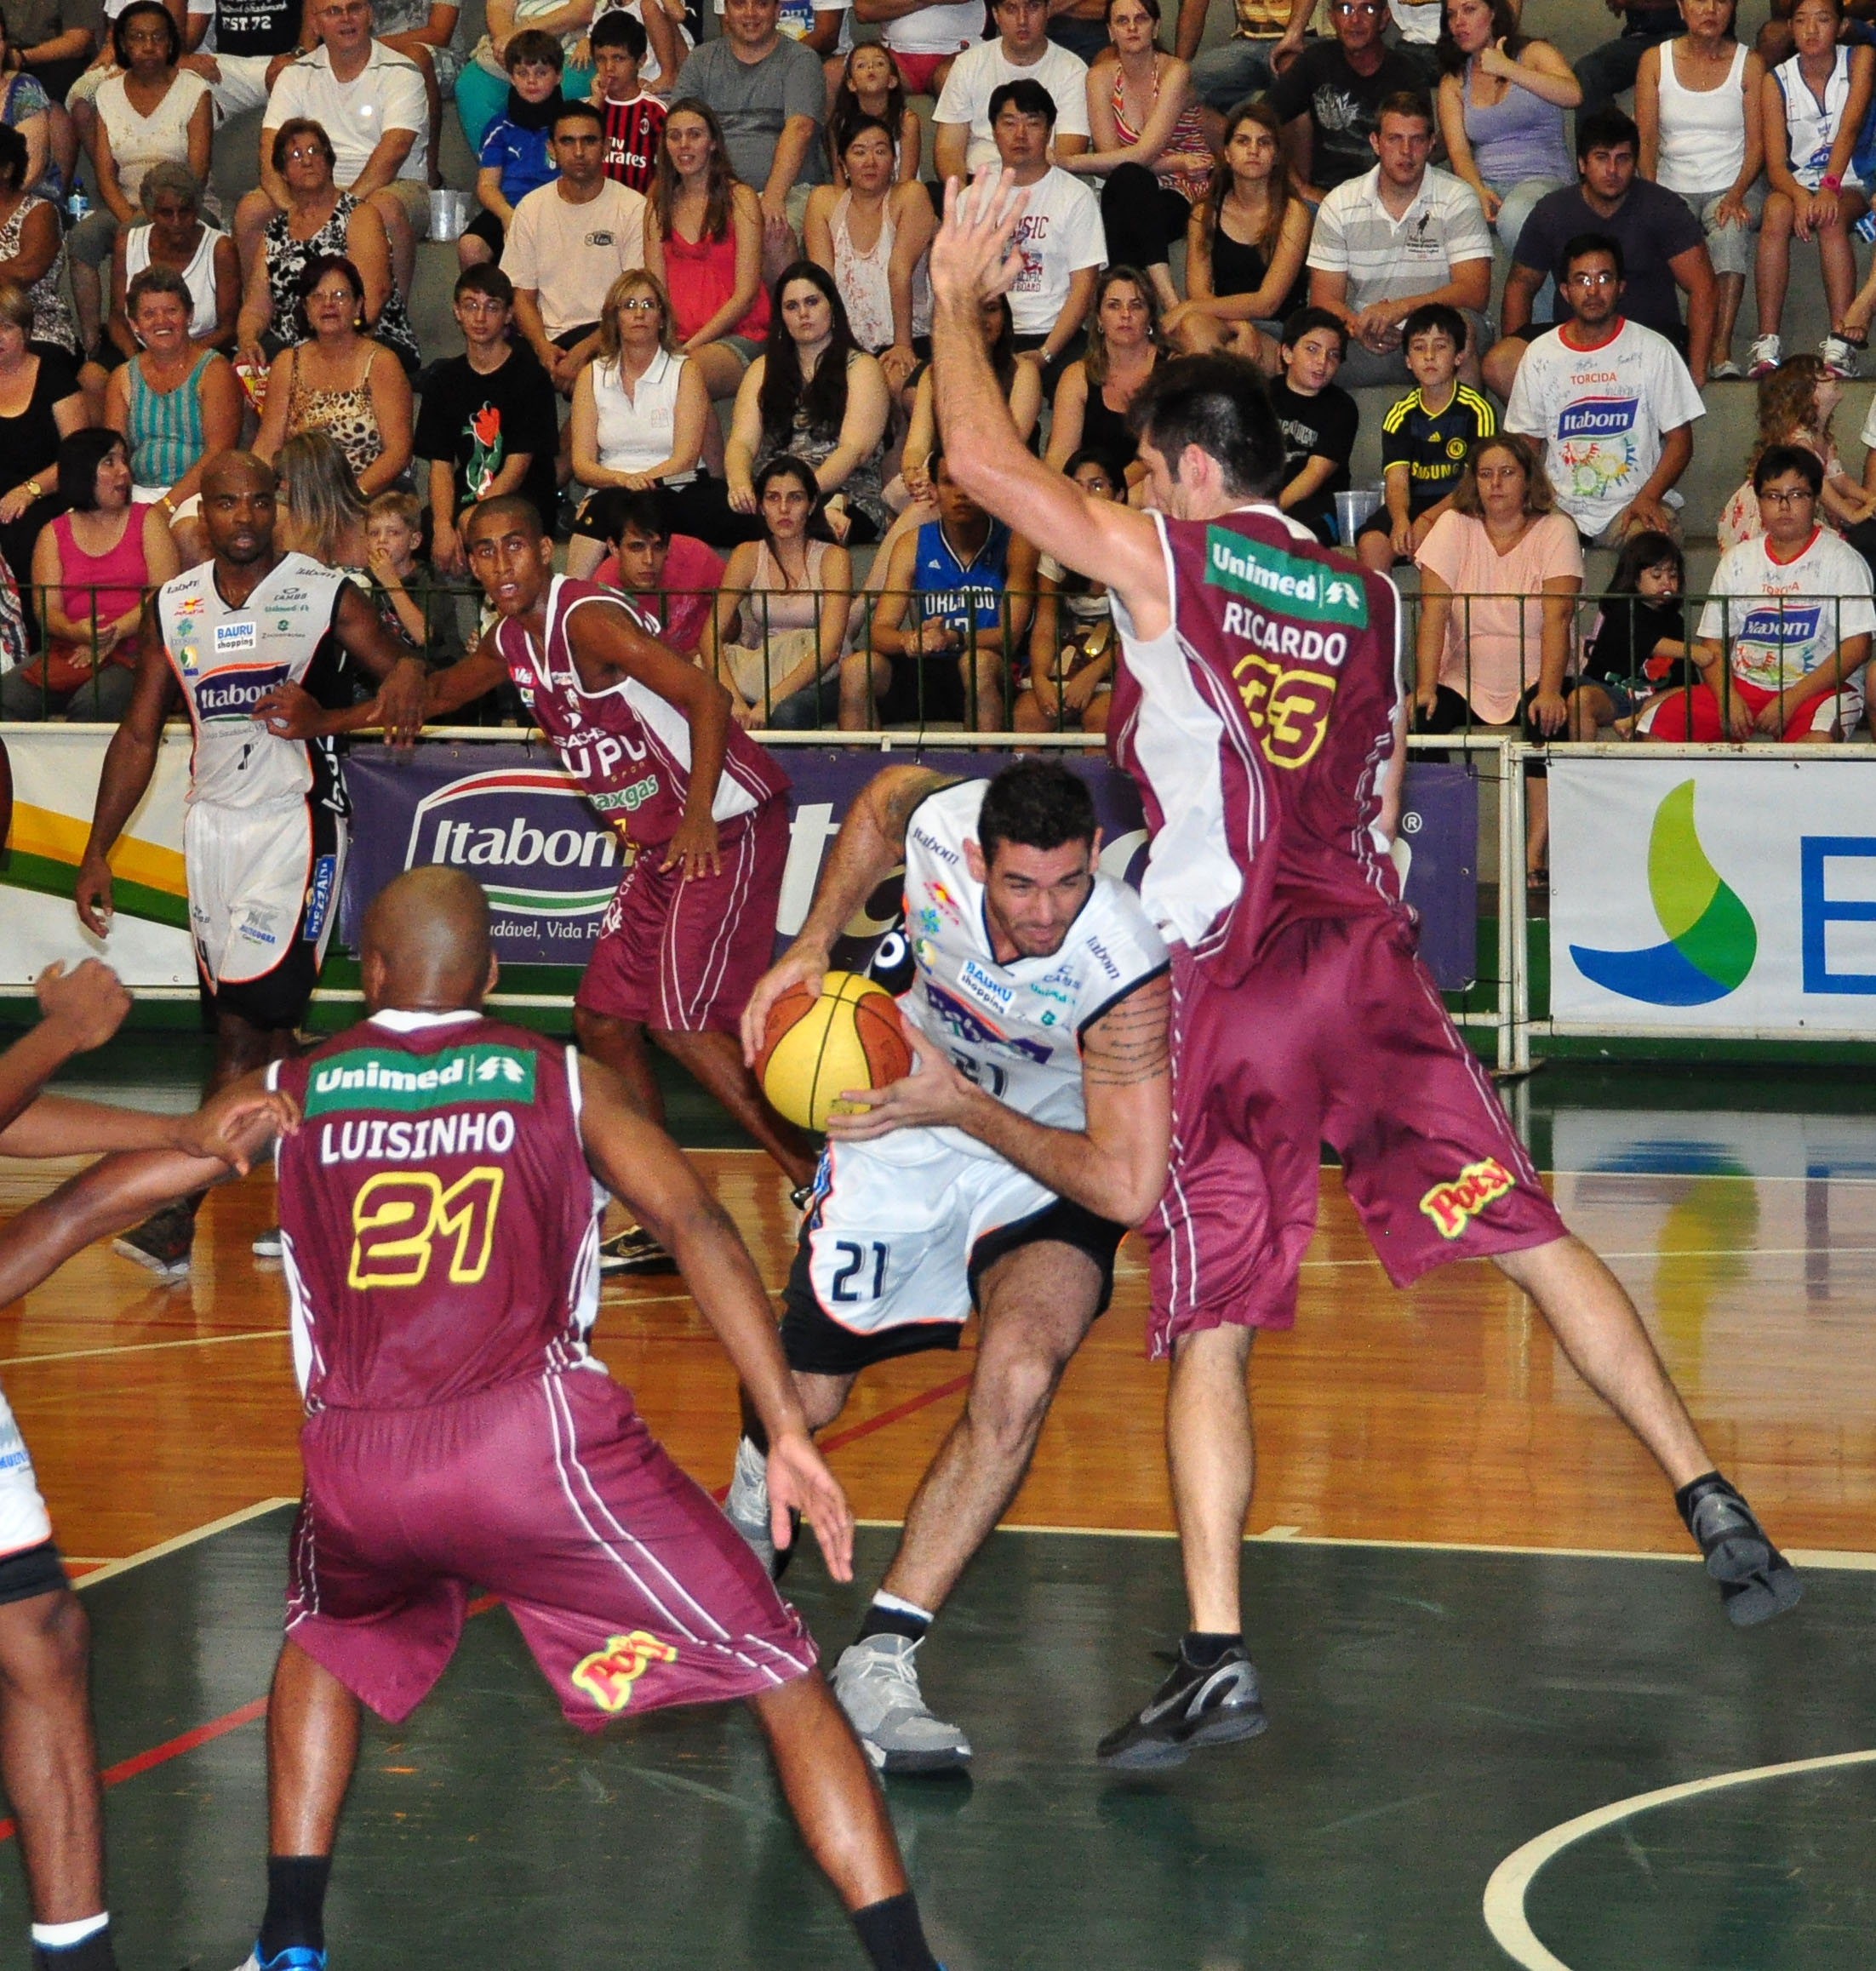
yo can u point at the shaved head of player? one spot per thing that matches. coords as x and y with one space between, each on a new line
1258 706
425 943
237 507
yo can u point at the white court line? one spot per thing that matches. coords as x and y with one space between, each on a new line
1512 1879
182 1540
141 1347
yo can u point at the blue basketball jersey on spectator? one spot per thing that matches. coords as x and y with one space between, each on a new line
956 591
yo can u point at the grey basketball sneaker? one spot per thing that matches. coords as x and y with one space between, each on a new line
1193 1707
877 1685
747 1503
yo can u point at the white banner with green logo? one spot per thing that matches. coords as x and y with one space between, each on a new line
1714 895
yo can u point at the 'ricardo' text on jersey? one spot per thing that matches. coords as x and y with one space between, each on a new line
439 1226
628 748
1258 728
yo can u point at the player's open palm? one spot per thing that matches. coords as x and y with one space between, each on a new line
800 1481
971 259
89 1003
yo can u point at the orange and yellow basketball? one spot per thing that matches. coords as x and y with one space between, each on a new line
815 1049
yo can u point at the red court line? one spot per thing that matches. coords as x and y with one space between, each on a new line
838 1440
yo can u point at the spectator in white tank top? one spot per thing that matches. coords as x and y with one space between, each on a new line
641 415
1700 106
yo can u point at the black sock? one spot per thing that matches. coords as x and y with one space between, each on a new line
1694 1491
893 1936
94 1953
296 1903
893 1622
1204 1651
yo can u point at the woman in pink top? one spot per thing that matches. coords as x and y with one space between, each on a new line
703 240
1499 578
92 565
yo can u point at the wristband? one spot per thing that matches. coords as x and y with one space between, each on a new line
1830 182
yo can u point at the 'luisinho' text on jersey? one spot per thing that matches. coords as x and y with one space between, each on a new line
439 1226
226 659
628 748
1258 728
1015 1029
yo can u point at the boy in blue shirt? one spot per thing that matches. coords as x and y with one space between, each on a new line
1425 439
515 155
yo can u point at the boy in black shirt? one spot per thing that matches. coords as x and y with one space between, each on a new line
1319 421
1426 439
490 423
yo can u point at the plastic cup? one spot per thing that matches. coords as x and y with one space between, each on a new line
1352 509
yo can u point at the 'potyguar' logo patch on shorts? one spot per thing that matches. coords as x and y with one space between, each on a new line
608 1675
1311 590
1452 1207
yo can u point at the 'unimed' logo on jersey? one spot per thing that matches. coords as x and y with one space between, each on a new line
384 1078
1310 590
1596 417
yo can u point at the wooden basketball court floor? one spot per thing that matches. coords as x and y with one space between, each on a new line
1485 1650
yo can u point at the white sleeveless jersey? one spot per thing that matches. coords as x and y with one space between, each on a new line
1015 1029
225 660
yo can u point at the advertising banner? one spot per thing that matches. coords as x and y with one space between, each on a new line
1726 895
55 769
508 814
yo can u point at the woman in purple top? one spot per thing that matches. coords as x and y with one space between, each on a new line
1501 104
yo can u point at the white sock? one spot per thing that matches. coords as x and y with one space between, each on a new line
63 1936
897 1605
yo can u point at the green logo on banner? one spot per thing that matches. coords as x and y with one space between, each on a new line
375 1078
1311 590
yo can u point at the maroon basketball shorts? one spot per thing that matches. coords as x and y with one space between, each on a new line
684 957
623 1576
1338 1037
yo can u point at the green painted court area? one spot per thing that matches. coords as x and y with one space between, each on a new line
1431 1710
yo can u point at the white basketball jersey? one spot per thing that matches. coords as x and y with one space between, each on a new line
227 660
1015 1029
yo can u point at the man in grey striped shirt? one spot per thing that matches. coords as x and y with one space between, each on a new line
1402 237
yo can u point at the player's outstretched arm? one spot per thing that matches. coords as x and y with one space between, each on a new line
289 712
230 1129
79 1009
646 1171
128 762
403 678
870 846
604 638
1116 1166
971 262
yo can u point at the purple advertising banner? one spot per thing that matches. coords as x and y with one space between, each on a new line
509 815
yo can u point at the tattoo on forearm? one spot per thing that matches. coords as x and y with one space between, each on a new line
1128 1045
904 798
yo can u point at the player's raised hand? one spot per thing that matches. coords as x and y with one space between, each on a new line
973 258
87 1003
234 1125
693 848
803 964
800 1481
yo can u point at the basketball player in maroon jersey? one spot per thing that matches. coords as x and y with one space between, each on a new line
1258 708
651 740
440 1248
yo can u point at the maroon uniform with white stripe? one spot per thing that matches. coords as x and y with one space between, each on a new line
439 1237
679 956
1258 729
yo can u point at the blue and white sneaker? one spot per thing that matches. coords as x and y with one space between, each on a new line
295 1958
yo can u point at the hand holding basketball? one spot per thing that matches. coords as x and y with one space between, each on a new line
818 1046
928 1095
803 965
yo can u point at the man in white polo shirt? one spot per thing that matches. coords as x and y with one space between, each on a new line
568 240
370 101
1022 52
1612 404
1060 236
1403 236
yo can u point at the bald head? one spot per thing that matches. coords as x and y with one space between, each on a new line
506 512
237 471
237 509
426 944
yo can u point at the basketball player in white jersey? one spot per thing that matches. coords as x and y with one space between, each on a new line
264 838
50 1754
1001 1174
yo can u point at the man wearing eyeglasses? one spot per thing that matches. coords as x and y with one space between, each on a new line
1611 403
1330 98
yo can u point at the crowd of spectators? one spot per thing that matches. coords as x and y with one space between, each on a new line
694 316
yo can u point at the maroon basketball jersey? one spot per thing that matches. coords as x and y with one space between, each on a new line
440 1226
1258 728
632 131
628 748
